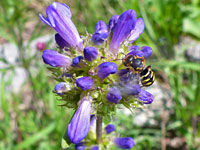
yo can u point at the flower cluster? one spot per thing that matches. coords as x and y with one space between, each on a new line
90 70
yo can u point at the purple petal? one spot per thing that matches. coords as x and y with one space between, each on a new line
80 146
147 51
110 128
145 97
139 29
61 42
134 48
131 89
106 68
59 18
95 148
85 83
125 24
112 22
55 59
79 126
92 119
124 142
114 95
136 53
62 87
90 53
76 61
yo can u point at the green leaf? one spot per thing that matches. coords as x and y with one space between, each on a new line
191 26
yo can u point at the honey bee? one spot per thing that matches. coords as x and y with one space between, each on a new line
136 64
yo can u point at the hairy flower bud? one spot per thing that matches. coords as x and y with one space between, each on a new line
106 68
55 59
145 97
101 33
124 142
126 22
59 18
131 89
76 61
78 127
61 42
147 51
90 53
110 128
114 95
139 29
85 83
62 87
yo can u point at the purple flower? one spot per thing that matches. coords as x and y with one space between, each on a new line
106 68
139 29
101 33
124 142
126 22
114 95
110 128
85 83
80 146
79 126
126 76
147 51
145 97
134 48
55 59
112 22
95 148
92 119
76 61
131 89
61 42
90 53
59 18
136 53
61 88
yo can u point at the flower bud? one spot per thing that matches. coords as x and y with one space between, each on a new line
134 48
61 42
101 33
92 119
110 128
90 53
62 87
95 148
59 18
147 51
78 127
124 142
112 22
40 46
131 89
114 95
136 53
139 29
85 83
55 59
106 68
126 22
80 146
76 61
145 97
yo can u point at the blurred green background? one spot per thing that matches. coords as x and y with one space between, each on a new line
30 116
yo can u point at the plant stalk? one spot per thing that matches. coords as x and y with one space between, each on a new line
99 129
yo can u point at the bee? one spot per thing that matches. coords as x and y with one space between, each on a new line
147 76
136 64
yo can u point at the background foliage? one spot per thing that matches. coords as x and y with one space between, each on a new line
32 119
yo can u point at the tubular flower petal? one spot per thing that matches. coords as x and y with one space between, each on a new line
106 68
145 97
147 51
139 29
101 33
55 59
62 87
112 22
124 142
76 61
136 53
85 83
131 89
125 24
110 128
80 146
114 95
79 126
90 53
61 42
59 18
95 148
